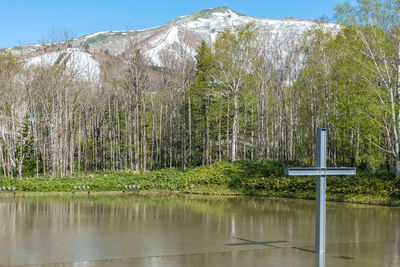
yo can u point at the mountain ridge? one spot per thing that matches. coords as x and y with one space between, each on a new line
186 31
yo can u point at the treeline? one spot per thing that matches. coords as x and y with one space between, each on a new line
238 99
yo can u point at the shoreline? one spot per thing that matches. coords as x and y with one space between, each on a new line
22 194
239 178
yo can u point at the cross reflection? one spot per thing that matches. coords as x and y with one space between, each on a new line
251 242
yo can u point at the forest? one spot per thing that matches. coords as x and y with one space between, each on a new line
234 100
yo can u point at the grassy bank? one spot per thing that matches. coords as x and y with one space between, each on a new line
240 177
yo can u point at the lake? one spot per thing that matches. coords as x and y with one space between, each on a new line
189 230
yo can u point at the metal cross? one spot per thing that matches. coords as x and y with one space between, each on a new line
321 171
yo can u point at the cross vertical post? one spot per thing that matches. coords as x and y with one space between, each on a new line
320 214
321 171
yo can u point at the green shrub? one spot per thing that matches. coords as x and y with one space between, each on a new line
239 177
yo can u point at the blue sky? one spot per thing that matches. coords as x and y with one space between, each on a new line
28 21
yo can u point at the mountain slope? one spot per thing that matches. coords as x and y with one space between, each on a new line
187 32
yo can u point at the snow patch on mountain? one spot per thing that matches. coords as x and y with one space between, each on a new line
79 62
166 43
160 43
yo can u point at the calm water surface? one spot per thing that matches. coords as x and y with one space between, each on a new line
175 230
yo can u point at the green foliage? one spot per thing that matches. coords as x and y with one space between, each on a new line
239 177
343 91
235 50
203 94
364 77
25 149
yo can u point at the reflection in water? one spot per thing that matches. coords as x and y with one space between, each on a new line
251 242
181 229
320 260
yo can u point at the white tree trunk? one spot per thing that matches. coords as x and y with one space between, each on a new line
234 125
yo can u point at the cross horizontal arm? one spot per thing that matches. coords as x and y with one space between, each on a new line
320 171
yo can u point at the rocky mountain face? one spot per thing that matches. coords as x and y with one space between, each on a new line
185 33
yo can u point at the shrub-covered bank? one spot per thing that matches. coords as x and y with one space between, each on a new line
240 177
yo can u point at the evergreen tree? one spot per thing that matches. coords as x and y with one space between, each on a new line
202 94
24 150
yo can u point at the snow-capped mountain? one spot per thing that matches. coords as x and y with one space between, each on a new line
187 32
